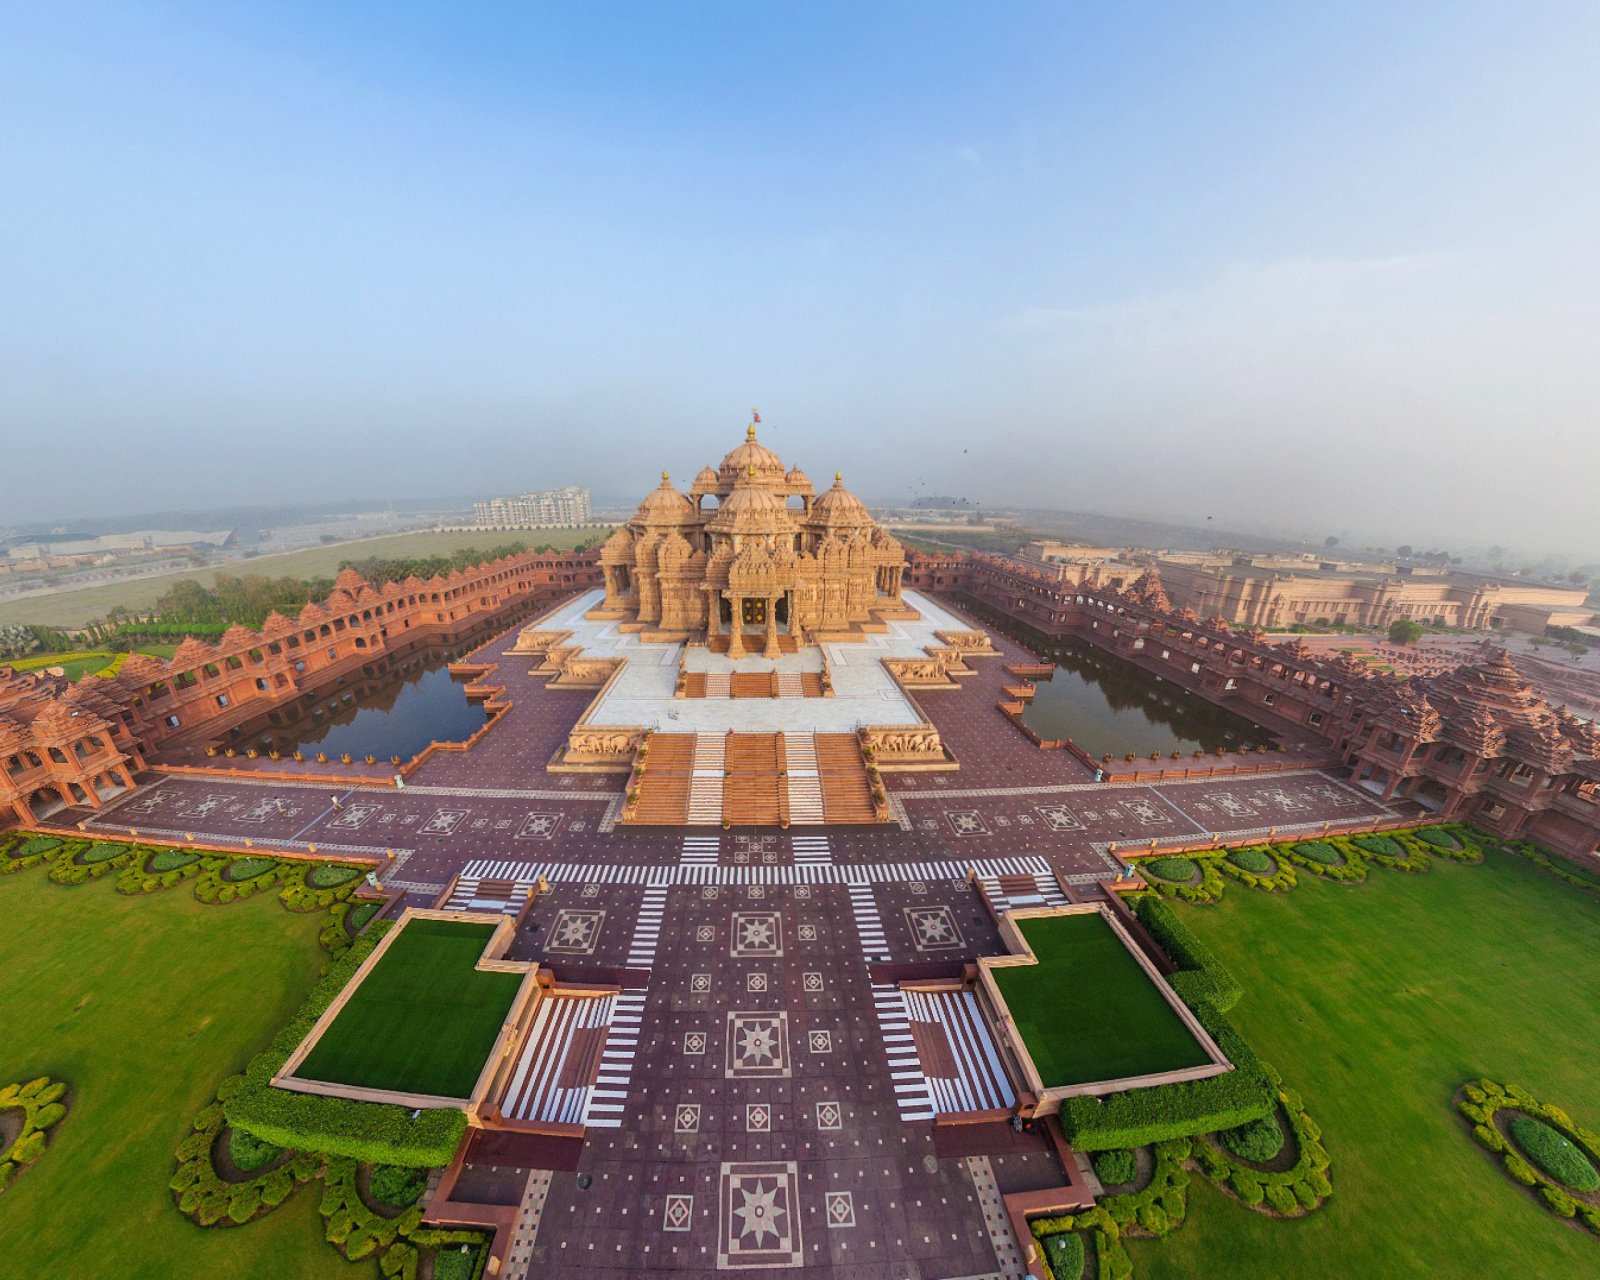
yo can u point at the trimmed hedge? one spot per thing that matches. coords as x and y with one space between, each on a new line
249 868
1256 861
1482 1100
1066 1253
248 1152
374 1133
1260 1140
171 860
1116 1168
1175 869
1384 845
43 1103
1111 1259
1292 1192
1320 851
1186 951
329 876
397 1186
1552 1153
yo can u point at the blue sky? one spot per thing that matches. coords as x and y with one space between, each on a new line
1331 267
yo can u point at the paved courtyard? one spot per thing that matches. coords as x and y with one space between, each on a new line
756 1110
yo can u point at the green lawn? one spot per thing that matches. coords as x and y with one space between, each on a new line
423 1020
143 1005
1376 1001
74 608
1087 1011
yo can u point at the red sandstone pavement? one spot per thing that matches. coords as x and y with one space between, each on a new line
853 1189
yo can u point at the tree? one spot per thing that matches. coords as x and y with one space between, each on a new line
1403 551
1404 631
1330 541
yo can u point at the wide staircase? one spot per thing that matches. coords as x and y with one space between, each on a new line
750 789
664 783
705 781
753 779
846 797
805 779
752 684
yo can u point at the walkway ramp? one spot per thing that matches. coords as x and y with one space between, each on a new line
553 1081
957 1053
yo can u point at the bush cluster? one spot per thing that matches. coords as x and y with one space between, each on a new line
1553 1154
23 851
171 860
248 1152
1260 867
1111 1261
78 862
1292 1192
1482 1100
1319 851
1175 869
356 1230
375 1133
207 1198
1116 1168
43 1103
397 1186
1568 873
331 876
1160 1205
1260 1140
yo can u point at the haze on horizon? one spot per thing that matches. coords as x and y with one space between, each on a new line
1325 267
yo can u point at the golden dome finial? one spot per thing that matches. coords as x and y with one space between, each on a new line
750 432
664 477
751 469
838 477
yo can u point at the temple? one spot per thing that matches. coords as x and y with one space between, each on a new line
769 557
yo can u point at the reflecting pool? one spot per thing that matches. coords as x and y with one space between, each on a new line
1105 703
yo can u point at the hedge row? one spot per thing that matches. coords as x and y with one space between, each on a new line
1209 888
1160 1205
1110 1254
1480 1103
1186 950
348 1224
1292 1192
374 1133
1557 867
1275 874
43 1103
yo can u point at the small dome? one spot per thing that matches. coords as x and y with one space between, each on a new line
664 505
751 509
751 461
838 506
798 479
707 479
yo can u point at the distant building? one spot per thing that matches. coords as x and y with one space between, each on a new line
547 509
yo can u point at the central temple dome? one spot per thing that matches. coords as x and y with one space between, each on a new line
751 461
751 509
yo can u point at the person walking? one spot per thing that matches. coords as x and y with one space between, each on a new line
278 800
337 805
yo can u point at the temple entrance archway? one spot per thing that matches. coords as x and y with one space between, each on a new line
780 610
753 613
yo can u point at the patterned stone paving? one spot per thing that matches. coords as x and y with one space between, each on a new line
758 1109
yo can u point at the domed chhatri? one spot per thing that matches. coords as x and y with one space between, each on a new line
763 551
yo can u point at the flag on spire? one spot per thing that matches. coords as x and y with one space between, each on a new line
754 416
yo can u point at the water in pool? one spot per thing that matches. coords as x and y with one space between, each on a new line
1107 704
395 716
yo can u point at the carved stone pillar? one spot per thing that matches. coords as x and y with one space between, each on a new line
773 650
713 612
736 639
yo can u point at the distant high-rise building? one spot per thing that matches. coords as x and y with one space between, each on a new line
547 509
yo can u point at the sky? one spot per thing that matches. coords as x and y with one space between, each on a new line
1328 267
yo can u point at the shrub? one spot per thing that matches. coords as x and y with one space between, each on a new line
1550 1151
1319 851
326 876
1065 1253
248 868
1259 1141
397 1186
102 852
454 1264
36 847
171 860
1116 1168
1175 869
249 1152
1381 845
1254 861
1438 837
358 917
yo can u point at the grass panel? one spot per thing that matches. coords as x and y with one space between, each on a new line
1087 1011
423 1020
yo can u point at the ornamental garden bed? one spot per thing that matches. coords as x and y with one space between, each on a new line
1539 1147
